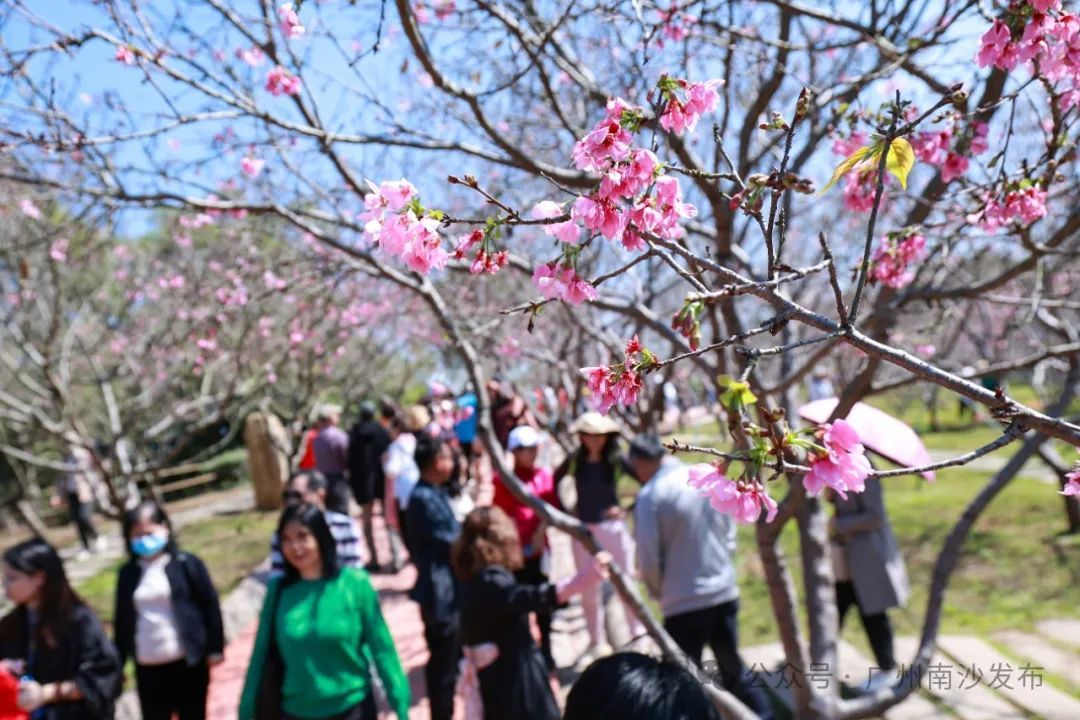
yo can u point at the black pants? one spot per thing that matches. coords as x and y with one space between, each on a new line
174 688
364 711
719 627
80 515
531 574
878 628
338 493
443 638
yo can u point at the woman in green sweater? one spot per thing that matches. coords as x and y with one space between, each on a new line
318 628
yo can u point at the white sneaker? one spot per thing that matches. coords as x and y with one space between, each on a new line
82 555
101 544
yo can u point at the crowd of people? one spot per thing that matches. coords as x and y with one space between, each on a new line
482 566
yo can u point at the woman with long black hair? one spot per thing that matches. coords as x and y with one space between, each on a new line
167 618
69 669
318 626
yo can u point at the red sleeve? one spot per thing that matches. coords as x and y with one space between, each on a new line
546 484
503 498
308 461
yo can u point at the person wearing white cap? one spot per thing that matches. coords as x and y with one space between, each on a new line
523 442
596 468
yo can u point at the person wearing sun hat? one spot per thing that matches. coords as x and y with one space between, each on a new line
587 482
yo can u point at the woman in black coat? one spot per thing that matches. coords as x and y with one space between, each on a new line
53 641
495 608
167 619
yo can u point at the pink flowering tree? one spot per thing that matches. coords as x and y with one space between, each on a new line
132 350
601 195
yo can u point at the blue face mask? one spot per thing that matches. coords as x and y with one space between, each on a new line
150 545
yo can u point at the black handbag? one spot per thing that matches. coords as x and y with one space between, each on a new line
268 699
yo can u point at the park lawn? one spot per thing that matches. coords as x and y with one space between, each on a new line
230 545
1015 567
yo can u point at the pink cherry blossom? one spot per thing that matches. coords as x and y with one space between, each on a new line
680 115
742 499
859 191
273 282
840 437
567 231
291 27
562 283
1027 205
847 146
58 250
844 466
892 258
252 166
955 166
29 209
124 55
280 81
600 215
1072 484
994 48
443 8
253 56
606 143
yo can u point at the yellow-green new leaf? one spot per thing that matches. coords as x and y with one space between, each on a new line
900 160
845 167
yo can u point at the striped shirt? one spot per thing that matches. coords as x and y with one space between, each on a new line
346 535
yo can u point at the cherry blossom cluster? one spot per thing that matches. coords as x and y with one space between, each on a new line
559 281
743 499
443 9
894 256
280 81
1072 484
396 222
488 259
291 27
686 102
675 24
124 55
618 384
843 465
1025 203
252 166
947 148
1036 31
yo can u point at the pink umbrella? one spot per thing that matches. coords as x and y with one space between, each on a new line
879 431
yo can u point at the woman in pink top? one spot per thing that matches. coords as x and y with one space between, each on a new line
523 442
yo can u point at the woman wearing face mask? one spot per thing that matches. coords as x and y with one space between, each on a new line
319 625
167 618
52 640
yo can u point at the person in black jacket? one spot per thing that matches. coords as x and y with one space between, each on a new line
167 618
495 607
432 529
368 440
70 670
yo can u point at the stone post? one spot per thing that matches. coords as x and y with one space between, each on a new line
268 458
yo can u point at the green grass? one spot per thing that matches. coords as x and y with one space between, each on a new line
230 545
1014 570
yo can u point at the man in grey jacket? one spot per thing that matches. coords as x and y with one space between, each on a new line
686 557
